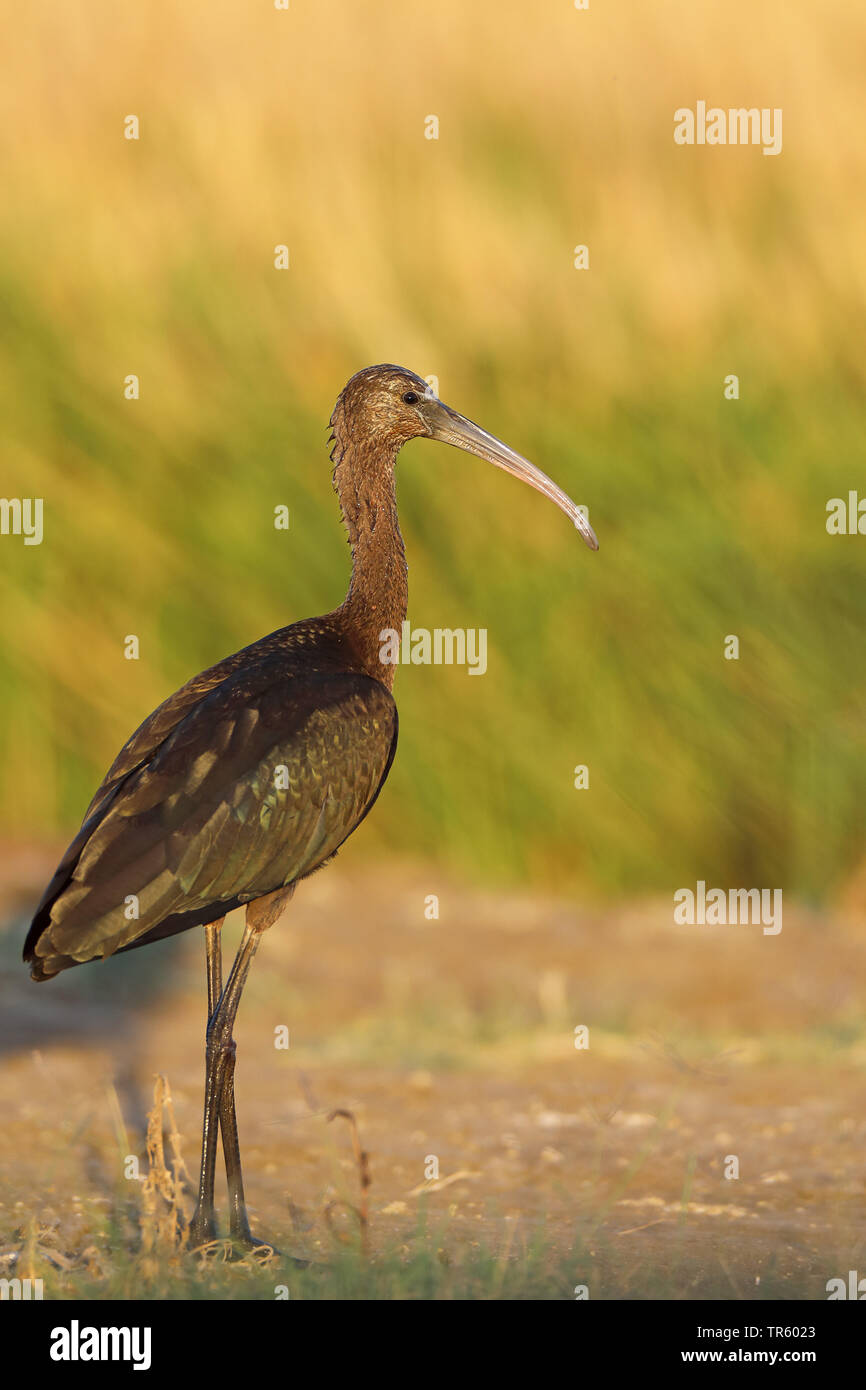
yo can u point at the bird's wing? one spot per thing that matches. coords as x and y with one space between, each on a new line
264 656
258 784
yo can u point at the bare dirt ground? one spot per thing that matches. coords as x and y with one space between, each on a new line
452 1041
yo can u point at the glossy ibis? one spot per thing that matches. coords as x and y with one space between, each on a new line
253 774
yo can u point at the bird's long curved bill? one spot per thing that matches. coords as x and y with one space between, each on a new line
451 428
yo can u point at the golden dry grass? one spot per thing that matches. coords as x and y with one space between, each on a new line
454 256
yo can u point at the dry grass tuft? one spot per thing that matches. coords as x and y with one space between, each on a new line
362 1160
163 1220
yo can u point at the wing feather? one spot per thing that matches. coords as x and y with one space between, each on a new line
258 782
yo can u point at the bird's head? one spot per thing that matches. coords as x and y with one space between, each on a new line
389 405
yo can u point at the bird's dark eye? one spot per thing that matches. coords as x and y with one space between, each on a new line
410 398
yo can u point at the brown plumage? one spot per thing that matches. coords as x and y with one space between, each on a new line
252 775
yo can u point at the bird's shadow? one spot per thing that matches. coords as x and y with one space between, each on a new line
101 1004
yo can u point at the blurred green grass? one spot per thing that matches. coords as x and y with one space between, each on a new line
454 258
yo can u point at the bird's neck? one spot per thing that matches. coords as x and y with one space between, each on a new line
379 589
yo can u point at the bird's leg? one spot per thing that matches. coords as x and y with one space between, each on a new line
220 1046
240 1229
239 1226
261 914
214 952
205 1221
202 1227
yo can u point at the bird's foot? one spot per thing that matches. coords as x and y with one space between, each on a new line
243 1245
202 1230
203 1239
260 1250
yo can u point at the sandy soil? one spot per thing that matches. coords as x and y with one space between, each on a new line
452 1042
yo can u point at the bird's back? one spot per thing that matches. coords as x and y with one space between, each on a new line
246 779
